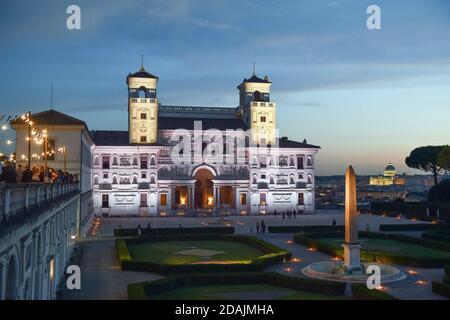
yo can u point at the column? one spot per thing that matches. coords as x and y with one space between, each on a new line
173 198
218 196
215 197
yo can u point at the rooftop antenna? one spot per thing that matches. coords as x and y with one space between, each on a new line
142 62
254 73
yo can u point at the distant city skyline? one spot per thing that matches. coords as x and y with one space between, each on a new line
366 97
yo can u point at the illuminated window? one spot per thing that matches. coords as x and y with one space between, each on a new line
105 201
143 139
243 199
163 199
262 199
143 116
263 119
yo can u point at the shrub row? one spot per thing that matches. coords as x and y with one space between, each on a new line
298 229
131 232
379 256
361 292
146 289
413 227
273 254
437 235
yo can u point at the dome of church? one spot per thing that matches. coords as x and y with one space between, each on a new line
389 167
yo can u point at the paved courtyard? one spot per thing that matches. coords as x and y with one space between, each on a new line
103 279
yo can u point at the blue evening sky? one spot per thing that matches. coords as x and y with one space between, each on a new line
366 97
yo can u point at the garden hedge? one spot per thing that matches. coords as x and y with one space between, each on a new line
361 292
437 235
273 255
378 256
413 227
143 290
298 229
132 232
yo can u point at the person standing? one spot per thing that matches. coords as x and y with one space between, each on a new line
27 175
257 227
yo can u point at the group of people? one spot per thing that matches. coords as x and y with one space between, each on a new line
289 214
23 174
260 227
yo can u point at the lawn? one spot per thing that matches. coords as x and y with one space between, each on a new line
196 251
391 246
240 292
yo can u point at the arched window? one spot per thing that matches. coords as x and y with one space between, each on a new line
254 161
272 180
254 179
135 179
152 161
141 92
309 161
114 179
152 178
135 162
309 179
291 161
291 179
96 161
96 179
115 163
257 95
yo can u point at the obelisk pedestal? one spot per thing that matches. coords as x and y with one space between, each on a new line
352 262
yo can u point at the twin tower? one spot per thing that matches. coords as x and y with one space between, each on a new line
255 108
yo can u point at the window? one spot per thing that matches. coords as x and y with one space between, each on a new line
152 161
309 179
105 201
114 163
263 176
143 139
291 162
144 163
143 200
291 181
135 179
254 179
299 162
309 162
152 178
243 199
263 119
114 179
144 175
96 179
143 116
96 161
300 176
262 199
272 181
163 199
301 199
135 163
105 162
105 176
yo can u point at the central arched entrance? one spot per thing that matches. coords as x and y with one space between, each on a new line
204 192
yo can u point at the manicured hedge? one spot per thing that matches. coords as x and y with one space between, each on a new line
298 229
437 235
361 292
273 255
378 256
131 232
136 290
441 288
413 227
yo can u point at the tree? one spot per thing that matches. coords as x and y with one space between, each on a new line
444 158
426 159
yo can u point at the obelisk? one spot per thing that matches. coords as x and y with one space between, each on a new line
351 245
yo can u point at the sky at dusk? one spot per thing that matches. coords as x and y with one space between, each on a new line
366 97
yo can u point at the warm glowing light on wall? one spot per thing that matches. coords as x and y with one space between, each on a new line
210 201
52 269
182 201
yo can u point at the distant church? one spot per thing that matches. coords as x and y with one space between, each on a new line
388 178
